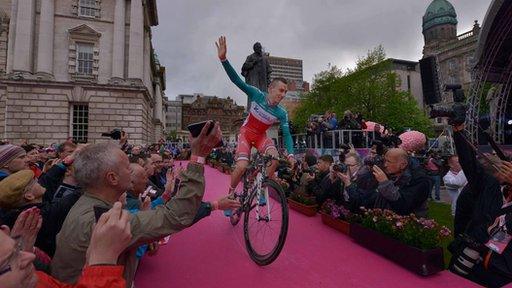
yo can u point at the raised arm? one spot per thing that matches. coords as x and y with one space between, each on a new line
251 91
285 128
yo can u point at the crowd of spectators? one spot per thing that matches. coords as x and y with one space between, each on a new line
60 206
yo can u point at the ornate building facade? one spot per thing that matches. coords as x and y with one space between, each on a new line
79 68
454 52
226 111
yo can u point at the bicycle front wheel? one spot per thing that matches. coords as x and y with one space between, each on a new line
266 223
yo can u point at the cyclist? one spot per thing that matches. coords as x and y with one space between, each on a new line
265 111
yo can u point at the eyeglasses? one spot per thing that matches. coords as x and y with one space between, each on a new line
18 247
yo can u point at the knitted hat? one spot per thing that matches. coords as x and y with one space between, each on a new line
12 187
10 152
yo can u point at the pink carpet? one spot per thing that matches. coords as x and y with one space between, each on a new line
212 254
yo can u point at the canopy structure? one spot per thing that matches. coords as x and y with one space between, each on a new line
493 68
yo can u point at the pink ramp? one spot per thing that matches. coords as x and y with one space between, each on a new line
212 254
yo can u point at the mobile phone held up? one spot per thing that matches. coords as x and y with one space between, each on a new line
98 211
196 128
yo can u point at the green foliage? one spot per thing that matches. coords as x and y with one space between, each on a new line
417 232
172 135
302 198
369 89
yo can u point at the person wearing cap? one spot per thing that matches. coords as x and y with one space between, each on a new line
17 258
12 160
20 191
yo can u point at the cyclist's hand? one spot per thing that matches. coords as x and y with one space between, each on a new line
222 48
226 203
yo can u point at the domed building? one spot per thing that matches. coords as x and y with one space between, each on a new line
454 53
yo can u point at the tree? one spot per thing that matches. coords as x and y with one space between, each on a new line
172 135
370 89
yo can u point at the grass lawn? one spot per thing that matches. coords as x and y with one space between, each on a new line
441 212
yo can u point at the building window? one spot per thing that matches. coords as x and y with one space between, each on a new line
84 58
409 83
87 8
80 122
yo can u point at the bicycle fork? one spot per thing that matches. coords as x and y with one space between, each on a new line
259 182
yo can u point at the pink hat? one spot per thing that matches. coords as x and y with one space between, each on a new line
413 141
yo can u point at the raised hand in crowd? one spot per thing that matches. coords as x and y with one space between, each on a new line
27 226
505 171
103 248
145 204
227 202
203 144
344 178
379 175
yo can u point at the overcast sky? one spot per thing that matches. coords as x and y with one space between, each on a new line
317 31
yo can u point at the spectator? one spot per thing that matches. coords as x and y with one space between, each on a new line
433 167
65 149
454 180
16 260
401 188
19 192
323 185
12 159
100 171
157 178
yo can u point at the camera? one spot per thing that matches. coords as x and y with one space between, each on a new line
456 114
340 168
377 160
114 134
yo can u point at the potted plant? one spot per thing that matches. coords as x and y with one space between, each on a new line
336 216
303 204
407 240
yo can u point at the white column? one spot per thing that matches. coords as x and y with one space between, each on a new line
45 41
24 35
158 103
136 48
12 33
118 47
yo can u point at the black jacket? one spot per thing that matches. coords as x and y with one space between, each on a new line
480 201
53 214
405 195
51 180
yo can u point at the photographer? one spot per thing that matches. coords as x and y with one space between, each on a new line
402 186
478 205
320 183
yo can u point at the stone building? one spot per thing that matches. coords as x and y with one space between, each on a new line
226 111
454 53
408 78
79 68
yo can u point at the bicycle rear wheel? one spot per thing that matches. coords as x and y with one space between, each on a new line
266 223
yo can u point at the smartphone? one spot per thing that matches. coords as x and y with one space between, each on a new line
196 128
176 186
98 211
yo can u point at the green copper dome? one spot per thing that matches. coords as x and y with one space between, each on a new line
439 12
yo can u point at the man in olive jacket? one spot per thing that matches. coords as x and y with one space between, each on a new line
103 170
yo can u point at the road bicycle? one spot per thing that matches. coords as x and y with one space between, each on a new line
265 212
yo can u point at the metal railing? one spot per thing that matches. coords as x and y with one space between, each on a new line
331 139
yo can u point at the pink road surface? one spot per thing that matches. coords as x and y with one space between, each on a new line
212 254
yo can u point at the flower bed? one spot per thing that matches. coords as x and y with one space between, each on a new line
337 224
336 216
423 262
303 204
409 241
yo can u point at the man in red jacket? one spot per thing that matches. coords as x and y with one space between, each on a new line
16 260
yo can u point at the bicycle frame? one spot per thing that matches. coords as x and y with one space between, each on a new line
256 170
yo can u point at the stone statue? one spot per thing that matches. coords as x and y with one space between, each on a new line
256 70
